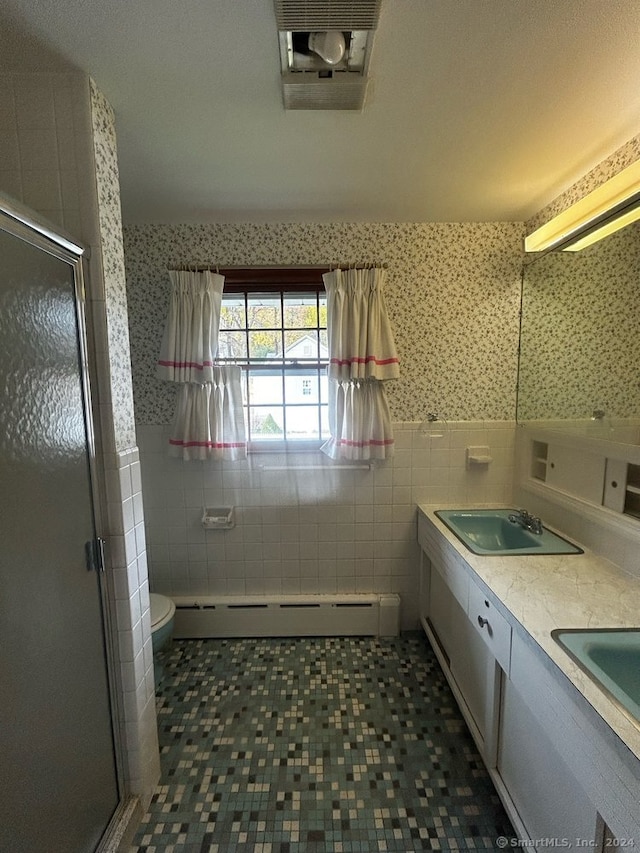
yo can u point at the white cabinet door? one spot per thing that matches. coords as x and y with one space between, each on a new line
547 796
471 665
441 611
572 470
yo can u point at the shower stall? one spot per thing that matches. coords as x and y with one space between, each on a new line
59 786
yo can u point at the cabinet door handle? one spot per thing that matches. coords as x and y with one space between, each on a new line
484 623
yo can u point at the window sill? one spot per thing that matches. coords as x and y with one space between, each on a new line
309 446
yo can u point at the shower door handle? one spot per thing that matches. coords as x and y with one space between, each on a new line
94 553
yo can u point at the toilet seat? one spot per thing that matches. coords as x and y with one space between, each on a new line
162 610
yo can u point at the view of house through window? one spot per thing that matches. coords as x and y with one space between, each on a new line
279 337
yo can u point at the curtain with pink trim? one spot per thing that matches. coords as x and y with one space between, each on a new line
362 356
209 418
190 340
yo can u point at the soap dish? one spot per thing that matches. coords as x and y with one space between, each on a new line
478 456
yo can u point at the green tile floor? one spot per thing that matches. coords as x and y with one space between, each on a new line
324 744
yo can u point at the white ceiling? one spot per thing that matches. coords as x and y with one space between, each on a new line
478 110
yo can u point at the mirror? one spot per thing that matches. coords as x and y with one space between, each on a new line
580 339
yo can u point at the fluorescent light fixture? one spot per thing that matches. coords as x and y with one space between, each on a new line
609 227
606 209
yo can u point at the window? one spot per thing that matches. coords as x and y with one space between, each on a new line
274 324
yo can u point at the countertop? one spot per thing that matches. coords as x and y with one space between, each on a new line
545 592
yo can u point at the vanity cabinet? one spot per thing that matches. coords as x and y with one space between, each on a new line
589 782
471 639
563 776
474 647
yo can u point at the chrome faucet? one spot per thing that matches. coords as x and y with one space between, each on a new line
526 520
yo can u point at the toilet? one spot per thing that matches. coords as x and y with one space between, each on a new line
162 612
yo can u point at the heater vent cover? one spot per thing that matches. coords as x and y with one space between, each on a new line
310 92
318 15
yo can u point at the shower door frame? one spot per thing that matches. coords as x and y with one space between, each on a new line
25 224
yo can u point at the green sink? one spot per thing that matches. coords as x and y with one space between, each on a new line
611 658
489 532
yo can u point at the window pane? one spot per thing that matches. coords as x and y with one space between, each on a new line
302 422
324 387
300 311
301 387
324 420
267 423
301 344
232 345
323 311
265 388
264 344
264 311
232 313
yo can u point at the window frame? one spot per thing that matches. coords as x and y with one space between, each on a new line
279 281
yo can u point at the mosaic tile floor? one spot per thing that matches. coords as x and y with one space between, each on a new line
305 745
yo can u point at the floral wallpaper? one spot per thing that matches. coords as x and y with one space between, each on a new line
108 186
453 294
580 342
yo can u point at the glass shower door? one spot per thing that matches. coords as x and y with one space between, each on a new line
58 785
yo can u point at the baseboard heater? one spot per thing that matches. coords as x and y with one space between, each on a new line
287 616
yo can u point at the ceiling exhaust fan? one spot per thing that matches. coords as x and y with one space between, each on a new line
325 48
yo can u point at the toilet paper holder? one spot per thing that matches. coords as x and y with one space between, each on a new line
218 517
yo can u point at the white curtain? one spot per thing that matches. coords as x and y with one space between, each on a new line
359 421
209 419
190 338
362 355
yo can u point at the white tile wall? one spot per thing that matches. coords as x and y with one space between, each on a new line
128 562
43 143
309 531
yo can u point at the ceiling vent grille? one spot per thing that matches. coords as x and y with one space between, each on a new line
318 15
308 92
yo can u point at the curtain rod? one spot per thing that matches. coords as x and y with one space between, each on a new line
365 265
211 265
